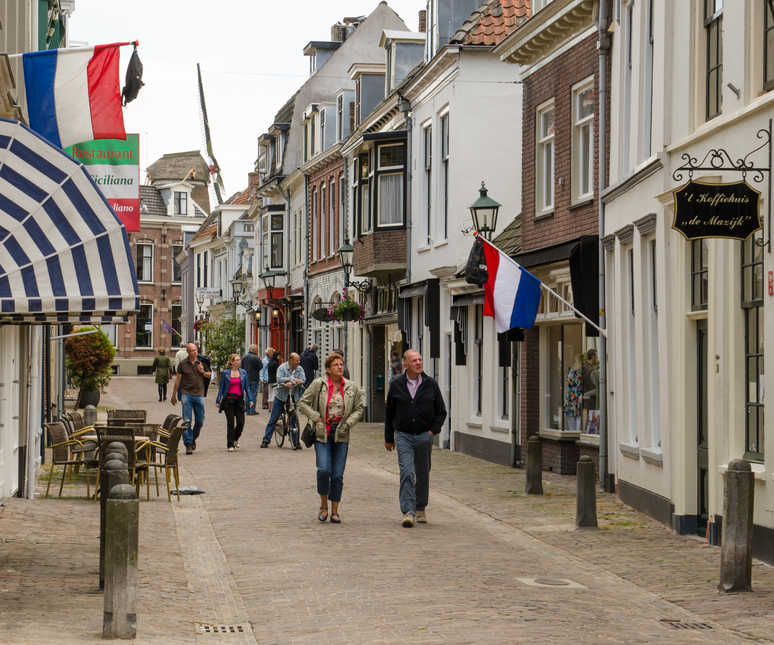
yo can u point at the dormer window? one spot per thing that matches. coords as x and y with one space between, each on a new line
322 130
339 118
358 94
181 203
312 64
312 139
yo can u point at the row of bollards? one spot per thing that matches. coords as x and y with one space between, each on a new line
738 504
118 545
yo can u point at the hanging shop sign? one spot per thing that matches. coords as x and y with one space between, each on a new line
208 292
114 165
729 211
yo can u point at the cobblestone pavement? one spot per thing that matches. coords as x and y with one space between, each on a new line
250 555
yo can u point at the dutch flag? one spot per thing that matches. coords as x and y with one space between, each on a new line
512 293
74 95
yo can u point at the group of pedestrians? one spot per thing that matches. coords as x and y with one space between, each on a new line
415 413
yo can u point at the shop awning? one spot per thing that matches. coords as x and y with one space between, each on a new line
64 255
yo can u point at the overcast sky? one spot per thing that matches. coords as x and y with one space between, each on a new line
251 54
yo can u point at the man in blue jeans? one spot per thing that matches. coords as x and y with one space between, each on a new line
193 377
251 363
290 376
414 414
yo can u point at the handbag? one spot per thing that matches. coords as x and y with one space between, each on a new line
309 435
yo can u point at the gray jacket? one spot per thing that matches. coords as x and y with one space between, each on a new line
284 374
313 405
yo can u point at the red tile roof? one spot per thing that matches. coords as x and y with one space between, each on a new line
492 22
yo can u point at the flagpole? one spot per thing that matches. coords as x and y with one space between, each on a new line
72 50
551 291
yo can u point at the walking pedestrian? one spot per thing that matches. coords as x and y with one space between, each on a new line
310 363
251 363
335 406
181 354
265 377
234 394
415 413
340 352
290 376
271 378
161 367
193 379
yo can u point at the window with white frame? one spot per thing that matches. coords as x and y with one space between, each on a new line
306 142
713 26
323 217
339 118
312 139
315 225
389 184
110 332
265 242
444 191
332 222
545 159
583 100
647 116
277 246
427 187
322 130
181 203
768 44
176 250
540 4
342 206
145 262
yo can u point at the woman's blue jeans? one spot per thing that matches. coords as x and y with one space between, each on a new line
331 460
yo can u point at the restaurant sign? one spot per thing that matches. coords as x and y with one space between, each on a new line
730 211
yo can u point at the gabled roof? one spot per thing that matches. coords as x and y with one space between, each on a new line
151 203
208 230
285 113
492 22
243 198
178 166
509 241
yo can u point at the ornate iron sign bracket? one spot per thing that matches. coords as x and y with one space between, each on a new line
719 159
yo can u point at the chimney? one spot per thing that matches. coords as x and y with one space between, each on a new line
422 21
338 33
253 181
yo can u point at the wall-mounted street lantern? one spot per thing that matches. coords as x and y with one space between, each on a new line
346 255
268 277
239 290
163 295
484 211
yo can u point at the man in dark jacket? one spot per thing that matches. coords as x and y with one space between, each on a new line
415 413
310 363
251 363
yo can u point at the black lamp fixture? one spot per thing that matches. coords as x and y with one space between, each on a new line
258 318
239 290
199 301
163 295
346 254
268 277
484 211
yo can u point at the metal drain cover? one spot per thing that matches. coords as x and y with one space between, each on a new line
207 628
551 583
679 624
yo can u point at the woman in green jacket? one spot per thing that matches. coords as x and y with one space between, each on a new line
334 406
162 368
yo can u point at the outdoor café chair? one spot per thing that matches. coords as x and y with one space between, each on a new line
120 417
126 436
169 454
62 455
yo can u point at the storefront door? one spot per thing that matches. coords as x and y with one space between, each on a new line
702 375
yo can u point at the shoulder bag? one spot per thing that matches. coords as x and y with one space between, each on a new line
309 435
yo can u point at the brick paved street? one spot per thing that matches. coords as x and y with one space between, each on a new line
251 554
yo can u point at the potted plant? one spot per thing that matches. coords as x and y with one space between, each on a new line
347 309
88 360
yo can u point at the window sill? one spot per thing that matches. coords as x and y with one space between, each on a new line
653 455
589 440
422 249
442 243
631 450
474 424
759 471
545 215
698 315
585 201
496 428
559 435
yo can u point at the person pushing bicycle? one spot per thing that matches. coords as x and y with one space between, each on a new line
290 376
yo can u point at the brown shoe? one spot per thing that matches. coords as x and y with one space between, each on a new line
188 450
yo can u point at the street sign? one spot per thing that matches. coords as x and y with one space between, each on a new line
207 292
729 211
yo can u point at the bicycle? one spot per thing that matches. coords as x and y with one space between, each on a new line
288 425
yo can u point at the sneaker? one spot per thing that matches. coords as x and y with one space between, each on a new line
188 450
264 444
236 444
421 517
231 449
408 520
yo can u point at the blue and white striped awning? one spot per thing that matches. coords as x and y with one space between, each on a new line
64 254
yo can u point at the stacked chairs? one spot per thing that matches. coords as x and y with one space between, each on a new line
63 455
120 417
169 453
125 435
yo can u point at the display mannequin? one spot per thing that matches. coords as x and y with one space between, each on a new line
574 395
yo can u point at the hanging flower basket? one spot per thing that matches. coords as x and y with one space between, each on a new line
199 324
346 310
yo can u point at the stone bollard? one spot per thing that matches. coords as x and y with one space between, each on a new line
114 473
586 513
736 543
534 466
119 619
89 415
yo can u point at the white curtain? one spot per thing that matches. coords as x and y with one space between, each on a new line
391 199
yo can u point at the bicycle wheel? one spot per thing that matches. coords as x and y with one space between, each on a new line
279 430
294 430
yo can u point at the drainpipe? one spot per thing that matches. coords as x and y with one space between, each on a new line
405 107
287 280
604 45
345 227
306 258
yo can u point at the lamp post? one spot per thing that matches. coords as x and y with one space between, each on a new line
268 277
200 301
346 254
240 291
484 211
